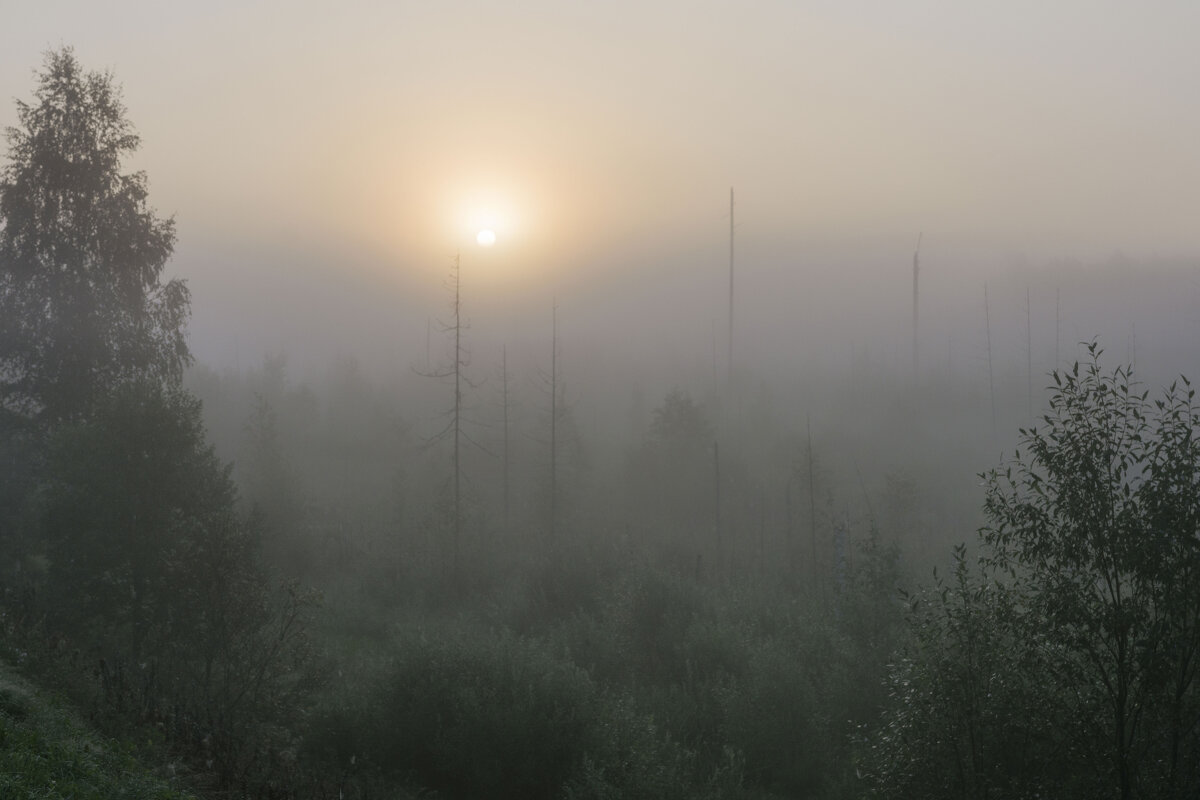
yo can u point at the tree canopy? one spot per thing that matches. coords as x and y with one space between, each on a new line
82 303
1067 667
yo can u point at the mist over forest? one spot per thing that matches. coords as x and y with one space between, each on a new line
742 402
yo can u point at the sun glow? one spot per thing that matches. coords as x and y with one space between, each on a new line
488 213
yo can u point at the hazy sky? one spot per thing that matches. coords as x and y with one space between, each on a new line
366 143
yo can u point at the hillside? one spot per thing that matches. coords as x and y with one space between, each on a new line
47 752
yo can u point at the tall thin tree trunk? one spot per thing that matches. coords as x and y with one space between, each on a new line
730 360
987 320
916 310
458 396
1029 352
504 396
812 508
554 423
1057 329
717 505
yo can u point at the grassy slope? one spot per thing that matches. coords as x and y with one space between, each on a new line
46 752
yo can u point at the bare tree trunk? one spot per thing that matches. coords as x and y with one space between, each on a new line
1029 352
717 505
729 363
812 508
916 310
458 365
987 318
504 397
554 424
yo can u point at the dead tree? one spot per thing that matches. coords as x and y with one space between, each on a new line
987 321
454 430
1029 352
561 433
916 309
504 396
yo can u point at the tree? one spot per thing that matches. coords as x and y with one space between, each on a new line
679 426
1099 526
150 564
455 416
565 454
1073 657
128 493
82 306
970 713
672 472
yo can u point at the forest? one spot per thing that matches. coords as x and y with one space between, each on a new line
466 578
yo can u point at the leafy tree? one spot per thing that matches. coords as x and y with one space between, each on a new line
679 426
970 713
82 306
1069 668
129 493
1099 526
149 563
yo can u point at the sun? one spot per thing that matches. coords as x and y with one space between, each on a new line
486 237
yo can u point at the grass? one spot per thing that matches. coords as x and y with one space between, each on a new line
46 752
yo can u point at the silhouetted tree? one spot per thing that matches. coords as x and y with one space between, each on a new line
129 492
82 307
1068 667
561 435
1100 524
454 429
672 472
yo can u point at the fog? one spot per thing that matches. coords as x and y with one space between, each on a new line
674 471
323 169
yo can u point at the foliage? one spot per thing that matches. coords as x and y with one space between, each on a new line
671 474
970 715
144 564
150 567
471 714
271 491
46 753
82 307
1069 669
746 671
1100 526
679 424
132 498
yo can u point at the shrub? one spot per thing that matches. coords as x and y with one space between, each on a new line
471 713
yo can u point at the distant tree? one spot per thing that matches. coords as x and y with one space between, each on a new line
673 469
565 456
505 399
269 486
454 430
82 306
679 426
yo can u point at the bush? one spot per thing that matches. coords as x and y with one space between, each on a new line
152 571
480 714
775 716
969 713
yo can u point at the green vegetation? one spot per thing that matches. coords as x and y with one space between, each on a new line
1067 666
119 526
45 752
